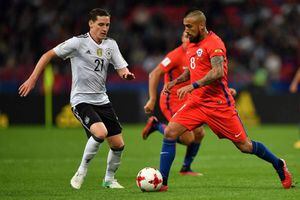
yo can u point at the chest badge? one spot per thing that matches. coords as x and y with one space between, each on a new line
108 53
199 52
99 52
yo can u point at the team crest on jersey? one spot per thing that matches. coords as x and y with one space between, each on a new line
86 120
99 52
108 53
199 52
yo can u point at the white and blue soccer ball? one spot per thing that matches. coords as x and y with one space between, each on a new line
149 179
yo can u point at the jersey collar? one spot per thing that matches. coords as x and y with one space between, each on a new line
94 40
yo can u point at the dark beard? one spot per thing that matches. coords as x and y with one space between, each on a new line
195 39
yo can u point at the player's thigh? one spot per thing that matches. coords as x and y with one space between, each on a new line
90 119
115 141
169 104
110 119
99 130
226 123
189 115
166 108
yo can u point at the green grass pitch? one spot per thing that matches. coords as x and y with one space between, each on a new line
38 163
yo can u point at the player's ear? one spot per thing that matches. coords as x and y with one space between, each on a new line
91 23
200 27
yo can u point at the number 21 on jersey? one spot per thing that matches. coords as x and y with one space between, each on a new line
99 65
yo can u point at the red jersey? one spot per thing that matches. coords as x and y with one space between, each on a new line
173 65
199 54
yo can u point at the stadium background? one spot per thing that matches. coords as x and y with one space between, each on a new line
262 39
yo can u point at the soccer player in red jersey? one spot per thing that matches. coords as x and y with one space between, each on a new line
210 101
171 67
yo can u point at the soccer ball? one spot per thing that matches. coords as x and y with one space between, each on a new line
149 179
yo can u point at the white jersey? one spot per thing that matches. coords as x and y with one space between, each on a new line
89 63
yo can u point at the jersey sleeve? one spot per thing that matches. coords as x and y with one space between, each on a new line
170 61
216 48
68 48
117 59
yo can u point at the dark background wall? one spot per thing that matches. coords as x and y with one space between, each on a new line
129 107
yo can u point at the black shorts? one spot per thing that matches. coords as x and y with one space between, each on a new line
89 114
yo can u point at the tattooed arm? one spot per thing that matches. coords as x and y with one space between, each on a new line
215 73
185 76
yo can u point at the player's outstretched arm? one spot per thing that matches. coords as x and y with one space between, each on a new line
29 84
295 82
154 78
216 72
125 74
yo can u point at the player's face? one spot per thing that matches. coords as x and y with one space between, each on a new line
191 29
99 28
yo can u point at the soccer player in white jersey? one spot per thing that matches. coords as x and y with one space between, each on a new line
90 55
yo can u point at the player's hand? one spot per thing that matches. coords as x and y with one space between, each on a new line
149 106
128 76
232 92
293 88
26 87
181 93
168 86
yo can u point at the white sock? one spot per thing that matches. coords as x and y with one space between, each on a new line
91 148
113 162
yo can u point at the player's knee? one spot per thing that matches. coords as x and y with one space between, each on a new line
199 134
100 136
118 148
98 139
187 138
245 148
117 145
189 141
170 133
99 130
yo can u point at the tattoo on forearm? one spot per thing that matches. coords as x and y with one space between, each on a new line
183 77
216 72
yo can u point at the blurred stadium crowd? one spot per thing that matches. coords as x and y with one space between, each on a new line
262 37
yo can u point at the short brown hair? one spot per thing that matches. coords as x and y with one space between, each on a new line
97 12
